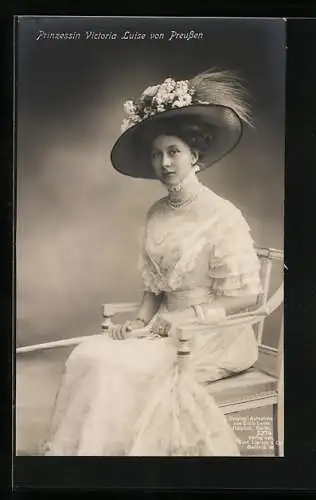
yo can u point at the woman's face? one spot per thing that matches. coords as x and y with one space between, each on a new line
172 159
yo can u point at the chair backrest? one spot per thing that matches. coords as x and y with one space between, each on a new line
269 357
266 257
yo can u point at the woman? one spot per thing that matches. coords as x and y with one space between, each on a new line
198 265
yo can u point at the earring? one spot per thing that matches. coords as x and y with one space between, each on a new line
196 168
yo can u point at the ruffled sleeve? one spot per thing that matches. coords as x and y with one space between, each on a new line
234 267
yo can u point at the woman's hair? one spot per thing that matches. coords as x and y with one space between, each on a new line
195 133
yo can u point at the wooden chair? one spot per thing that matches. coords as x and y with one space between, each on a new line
261 385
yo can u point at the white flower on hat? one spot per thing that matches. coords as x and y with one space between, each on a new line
157 99
169 98
129 107
160 108
161 96
135 119
183 100
168 85
130 121
151 91
182 87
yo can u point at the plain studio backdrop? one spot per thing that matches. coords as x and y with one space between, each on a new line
78 220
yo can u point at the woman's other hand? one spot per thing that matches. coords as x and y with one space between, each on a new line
120 332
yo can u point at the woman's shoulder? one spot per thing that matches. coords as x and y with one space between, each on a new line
222 205
157 207
229 222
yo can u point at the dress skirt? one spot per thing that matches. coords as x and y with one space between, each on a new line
107 384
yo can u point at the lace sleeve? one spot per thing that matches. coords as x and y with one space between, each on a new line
234 265
148 278
144 267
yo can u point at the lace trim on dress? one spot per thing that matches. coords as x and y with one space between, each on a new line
148 276
239 286
170 252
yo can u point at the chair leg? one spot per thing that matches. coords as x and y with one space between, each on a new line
275 430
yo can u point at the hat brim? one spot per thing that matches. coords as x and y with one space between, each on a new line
128 158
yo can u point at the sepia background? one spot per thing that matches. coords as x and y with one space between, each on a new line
78 220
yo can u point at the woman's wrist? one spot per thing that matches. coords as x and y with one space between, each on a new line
136 323
141 320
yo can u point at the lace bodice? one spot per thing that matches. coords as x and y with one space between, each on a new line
205 244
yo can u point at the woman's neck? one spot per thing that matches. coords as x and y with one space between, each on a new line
187 188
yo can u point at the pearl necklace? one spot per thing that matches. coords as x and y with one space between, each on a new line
181 203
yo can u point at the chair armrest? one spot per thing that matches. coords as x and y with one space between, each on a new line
110 309
113 308
184 333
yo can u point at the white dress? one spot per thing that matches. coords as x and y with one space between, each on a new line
205 247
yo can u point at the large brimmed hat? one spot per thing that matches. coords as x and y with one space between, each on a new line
213 103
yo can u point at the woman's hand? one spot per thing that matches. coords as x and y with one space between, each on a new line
120 332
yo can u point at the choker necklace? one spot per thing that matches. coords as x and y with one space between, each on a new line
191 177
177 188
180 203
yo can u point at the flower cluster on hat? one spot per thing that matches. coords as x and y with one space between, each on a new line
155 99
